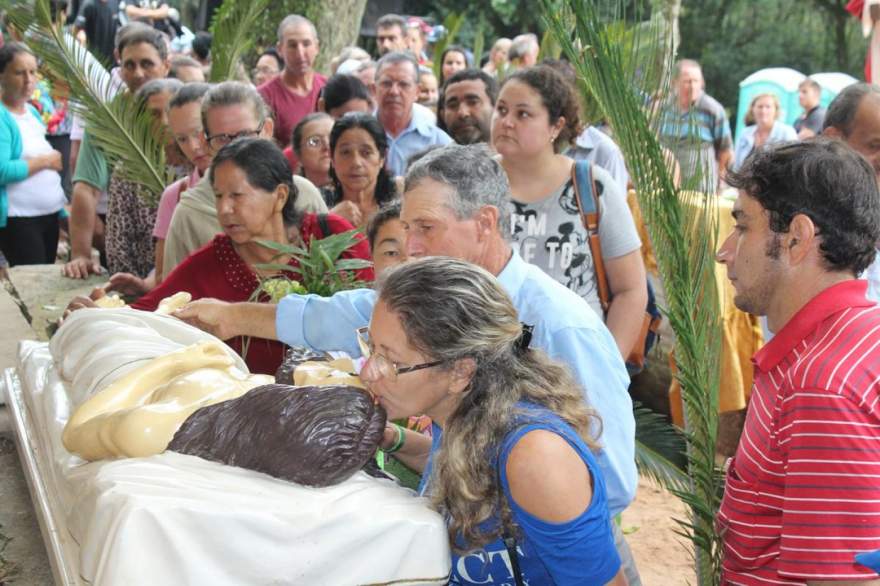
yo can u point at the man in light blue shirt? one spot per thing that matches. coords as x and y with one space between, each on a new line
595 146
410 130
457 203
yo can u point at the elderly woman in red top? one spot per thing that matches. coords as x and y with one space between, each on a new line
255 197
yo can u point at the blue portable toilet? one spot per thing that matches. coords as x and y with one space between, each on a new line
832 84
781 81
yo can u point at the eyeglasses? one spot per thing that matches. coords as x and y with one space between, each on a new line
264 70
218 141
387 84
377 366
317 141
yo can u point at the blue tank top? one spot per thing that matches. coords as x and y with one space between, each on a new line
580 551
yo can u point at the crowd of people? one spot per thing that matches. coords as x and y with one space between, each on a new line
488 313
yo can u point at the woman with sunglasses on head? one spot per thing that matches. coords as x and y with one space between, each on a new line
510 463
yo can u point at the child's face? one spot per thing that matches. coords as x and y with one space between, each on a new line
389 249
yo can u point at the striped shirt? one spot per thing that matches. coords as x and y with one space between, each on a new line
802 495
696 137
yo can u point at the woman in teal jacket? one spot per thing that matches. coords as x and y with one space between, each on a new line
30 187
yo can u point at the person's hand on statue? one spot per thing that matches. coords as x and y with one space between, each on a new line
211 315
128 284
80 268
82 302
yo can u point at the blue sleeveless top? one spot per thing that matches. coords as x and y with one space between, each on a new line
580 551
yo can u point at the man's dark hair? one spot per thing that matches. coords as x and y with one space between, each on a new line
273 52
829 183
841 113
489 82
201 45
147 35
810 83
391 20
340 88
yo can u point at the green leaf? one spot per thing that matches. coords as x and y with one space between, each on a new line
120 126
322 271
619 66
452 24
479 45
232 36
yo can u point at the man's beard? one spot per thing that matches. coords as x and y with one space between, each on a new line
472 132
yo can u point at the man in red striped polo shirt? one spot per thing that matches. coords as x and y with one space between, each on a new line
802 494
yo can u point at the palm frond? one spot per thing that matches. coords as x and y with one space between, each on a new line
660 448
625 74
479 45
232 32
121 128
321 270
452 24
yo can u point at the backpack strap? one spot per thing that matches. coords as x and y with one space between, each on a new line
586 196
323 225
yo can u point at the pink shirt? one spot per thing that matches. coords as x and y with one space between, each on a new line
802 496
288 107
169 200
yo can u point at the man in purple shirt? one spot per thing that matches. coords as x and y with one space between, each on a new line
293 94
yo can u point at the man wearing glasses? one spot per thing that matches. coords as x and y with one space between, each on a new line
456 203
230 110
410 130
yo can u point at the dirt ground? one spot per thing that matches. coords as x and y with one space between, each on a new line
663 558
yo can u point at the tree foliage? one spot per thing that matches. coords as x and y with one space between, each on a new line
734 38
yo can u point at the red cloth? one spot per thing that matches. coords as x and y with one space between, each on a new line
855 7
291 158
801 497
217 271
288 107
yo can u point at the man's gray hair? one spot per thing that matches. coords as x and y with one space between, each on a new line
394 58
292 20
233 93
390 20
475 177
522 45
841 113
158 86
685 63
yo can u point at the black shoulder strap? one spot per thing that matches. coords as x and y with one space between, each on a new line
323 225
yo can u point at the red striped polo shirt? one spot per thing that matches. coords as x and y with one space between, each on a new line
802 494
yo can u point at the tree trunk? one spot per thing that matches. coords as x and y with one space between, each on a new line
339 24
671 10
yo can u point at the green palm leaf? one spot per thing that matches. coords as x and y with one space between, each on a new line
621 72
119 124
232 32
321 270
660 449
452 24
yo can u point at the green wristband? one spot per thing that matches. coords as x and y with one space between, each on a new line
401 439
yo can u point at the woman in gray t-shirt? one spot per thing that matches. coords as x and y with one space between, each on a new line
536 116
